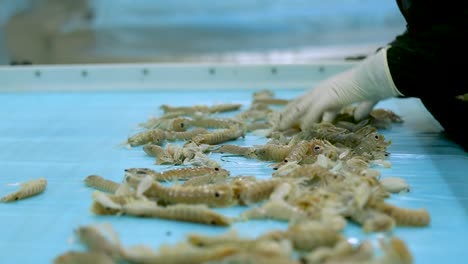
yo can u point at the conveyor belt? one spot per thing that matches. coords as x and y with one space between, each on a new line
66 136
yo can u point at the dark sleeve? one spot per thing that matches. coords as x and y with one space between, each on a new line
423 61
428 61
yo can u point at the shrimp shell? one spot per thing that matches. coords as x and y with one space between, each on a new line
220 108
298 152
211 195
263 93
148 136
372 220
202 108
258 125
395 251
271 101
27 189
265 246
230 237
248 192
371 143
95 241
186 135
154 150
257 258
182 212
278 210
172 124
394 184
219 136
380 113
206 179
98 182
233 149
272 152
403 216
180 124
215 123
308 236
311 171
170 155
178 174
192 256
185 109
110 204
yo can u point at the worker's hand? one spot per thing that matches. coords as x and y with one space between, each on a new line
366 83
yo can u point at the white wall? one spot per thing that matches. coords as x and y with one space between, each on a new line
7 9
174 30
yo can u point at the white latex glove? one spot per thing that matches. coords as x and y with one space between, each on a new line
366 84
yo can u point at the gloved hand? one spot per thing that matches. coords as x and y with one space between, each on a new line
366 84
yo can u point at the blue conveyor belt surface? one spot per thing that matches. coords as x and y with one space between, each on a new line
65 137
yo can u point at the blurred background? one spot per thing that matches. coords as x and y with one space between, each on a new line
240 31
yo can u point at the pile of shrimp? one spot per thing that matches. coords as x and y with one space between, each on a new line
321 180
316 242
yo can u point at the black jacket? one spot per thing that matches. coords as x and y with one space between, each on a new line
429 61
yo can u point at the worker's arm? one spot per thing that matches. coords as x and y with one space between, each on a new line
429 60
419 63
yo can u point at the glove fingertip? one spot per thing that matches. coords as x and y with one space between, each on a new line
290 115
363 110
329 116
309 121
285 122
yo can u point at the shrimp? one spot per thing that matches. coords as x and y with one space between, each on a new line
395 251
272 152
403 216
186 135
394 184
178 124
311 172
278 210
297 153
164 156
234 149
95 241
109 204
27 189
382 118
248 192
273 101
230 237
206 179
262 245
262 94
155 136
310 235
372 220
220 136
76 257
182 212
211 195
154 150
98 182
257 258
215 123
177 174
373 144
202 108
188 255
